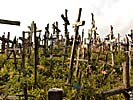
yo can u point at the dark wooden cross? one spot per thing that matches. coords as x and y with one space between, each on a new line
36 47
66 23
45 40
56 30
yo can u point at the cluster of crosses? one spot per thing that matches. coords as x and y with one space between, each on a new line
78 43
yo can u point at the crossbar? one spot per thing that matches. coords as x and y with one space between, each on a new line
2 21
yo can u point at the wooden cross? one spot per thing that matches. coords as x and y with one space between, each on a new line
45 40
66 23
78 23
36 58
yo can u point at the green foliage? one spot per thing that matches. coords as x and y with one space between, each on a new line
100 77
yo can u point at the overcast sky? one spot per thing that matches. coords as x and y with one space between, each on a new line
107 12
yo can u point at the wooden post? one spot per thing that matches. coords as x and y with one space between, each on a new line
126 77
25 91
119 45
57 31
35 54
99 53
23 55
51 53
14 54
89 52
46 36
83 43
111 45
3 44
77 63
74 46
93 30
7 47
79 82
130 47
55 94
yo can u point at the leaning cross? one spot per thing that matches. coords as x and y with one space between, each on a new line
76 25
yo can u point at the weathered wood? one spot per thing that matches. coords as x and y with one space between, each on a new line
113 92
66 23
57 30
89 52
126 76
3 44
7 46
8 98
2 21
119 45
74 48
46 36
25 91
77 63
111 45
82 60
35 54
23 55
51 54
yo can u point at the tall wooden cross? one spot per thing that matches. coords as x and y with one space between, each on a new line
66 23
78 23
